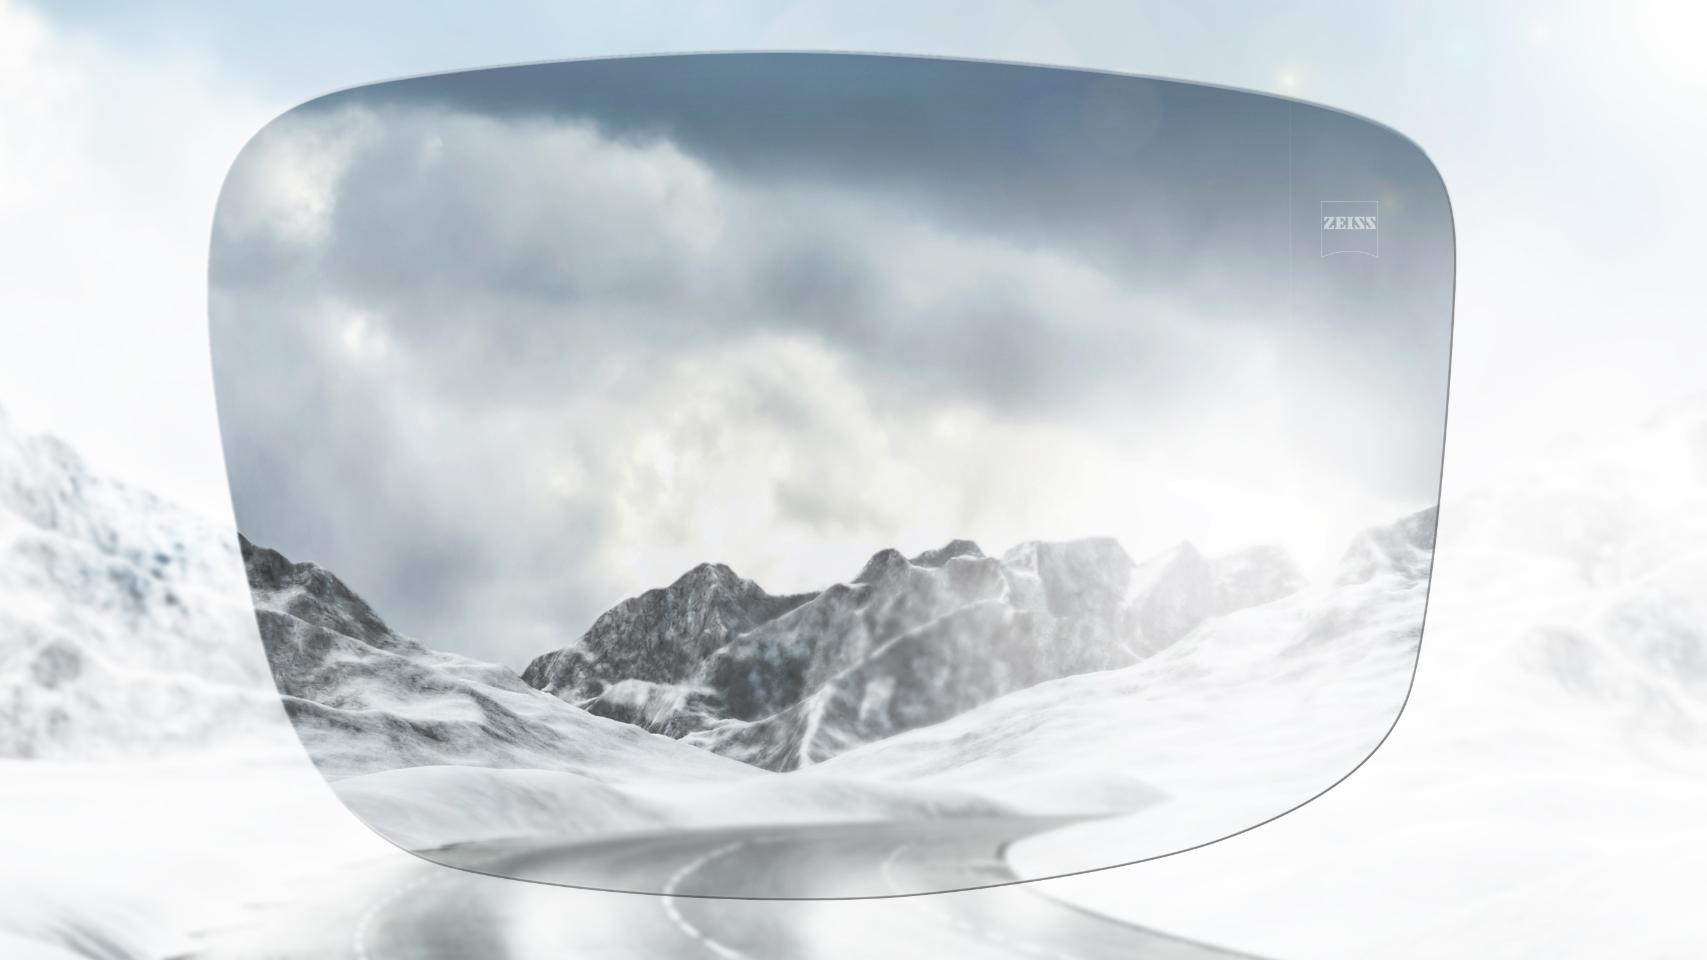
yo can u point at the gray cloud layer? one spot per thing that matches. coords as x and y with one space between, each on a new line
503 346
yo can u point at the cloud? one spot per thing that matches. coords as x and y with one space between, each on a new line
109 163
503 369
471 235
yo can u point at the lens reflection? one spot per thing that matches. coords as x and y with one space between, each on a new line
830 475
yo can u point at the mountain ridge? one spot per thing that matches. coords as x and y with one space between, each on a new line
782 682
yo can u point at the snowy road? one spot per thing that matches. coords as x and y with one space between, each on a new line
419 910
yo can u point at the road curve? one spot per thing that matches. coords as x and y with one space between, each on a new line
790 861
423 911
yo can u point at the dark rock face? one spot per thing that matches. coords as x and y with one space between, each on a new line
926 675
364 698
777 664
782 682
314 596
716 662
661 636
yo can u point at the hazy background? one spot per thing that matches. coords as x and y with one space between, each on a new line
501 349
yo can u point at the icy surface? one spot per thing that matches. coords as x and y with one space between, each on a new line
420 808
136 858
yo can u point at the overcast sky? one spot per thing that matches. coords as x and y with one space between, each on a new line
503 348
120 121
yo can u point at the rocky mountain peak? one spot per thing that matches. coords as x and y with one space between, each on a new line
947 552
885 564
710 576
661 636
313 595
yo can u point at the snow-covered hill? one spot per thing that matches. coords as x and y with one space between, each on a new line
364 698
1542 795
124 628
1057 679
949 683
1249 713
433 748
1060 679
784 682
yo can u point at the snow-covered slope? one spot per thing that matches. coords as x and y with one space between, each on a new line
784 682
1542 795
433 748
149 782
1059 679
119 632
365 699
1248 714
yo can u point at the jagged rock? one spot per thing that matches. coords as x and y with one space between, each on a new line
967 657
364 698
905 643
661 636
778 663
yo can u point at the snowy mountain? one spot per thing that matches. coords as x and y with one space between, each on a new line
364 698
1060 679
636 662
432 748
1248 714
784 682
1542 794
124 627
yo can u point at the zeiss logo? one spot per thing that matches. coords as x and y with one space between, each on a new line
1351 226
